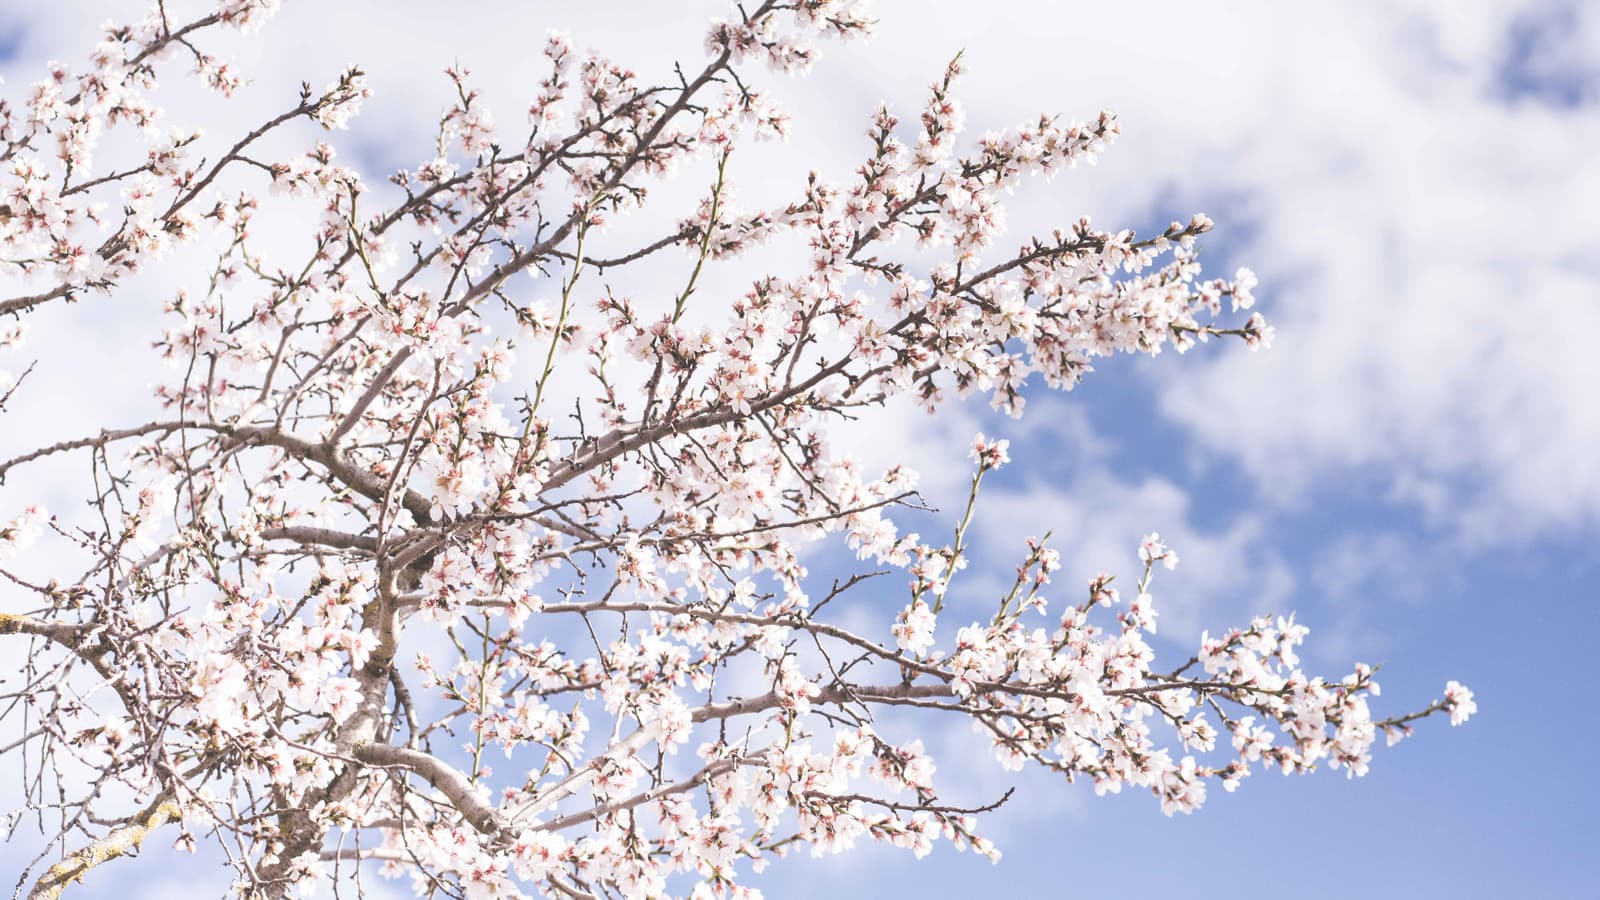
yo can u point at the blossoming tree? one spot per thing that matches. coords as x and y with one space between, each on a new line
374 592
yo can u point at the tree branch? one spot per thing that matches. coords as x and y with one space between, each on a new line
120 842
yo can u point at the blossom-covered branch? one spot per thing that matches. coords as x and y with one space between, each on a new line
402 515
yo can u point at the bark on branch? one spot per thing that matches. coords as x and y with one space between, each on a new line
451 782
120 842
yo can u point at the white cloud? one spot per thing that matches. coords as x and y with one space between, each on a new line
1424 247
1419 222
1227 573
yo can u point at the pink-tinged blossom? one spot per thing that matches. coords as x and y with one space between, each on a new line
1152 550
1258 333
342 100
247 15
20 532
913 630
1244 285
1458 702
990 454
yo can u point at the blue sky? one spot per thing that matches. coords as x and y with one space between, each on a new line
1411 469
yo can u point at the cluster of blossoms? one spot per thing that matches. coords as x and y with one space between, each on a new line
505 594
20 533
